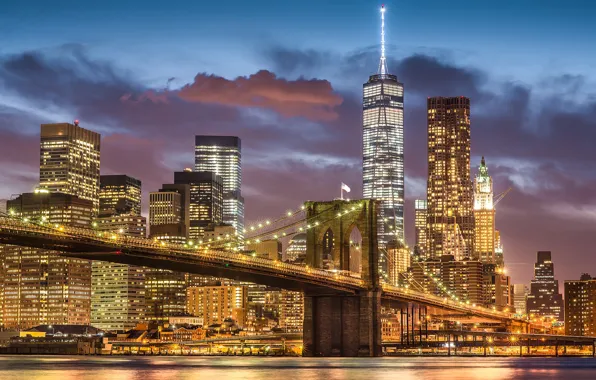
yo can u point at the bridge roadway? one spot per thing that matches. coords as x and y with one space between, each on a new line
91 244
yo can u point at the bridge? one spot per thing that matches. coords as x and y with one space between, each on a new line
342 310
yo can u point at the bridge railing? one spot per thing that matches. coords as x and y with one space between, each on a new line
119 241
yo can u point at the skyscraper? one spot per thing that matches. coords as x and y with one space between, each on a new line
580 306
520 295
544 300
222 156
40 286
118 290
484 216
119 195
382 150
449 189
214 304
69 161
206 200
420 228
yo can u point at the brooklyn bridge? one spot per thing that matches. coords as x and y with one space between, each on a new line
342 308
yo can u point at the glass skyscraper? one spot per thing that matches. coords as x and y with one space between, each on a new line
222 156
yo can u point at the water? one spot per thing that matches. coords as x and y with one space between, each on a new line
220 368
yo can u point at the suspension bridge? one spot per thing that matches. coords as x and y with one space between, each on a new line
342 307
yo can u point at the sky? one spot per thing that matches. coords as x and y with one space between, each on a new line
286 76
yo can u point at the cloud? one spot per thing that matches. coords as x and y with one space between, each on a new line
313 99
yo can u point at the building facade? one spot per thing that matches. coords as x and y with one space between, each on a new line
520 295
217 303
398 256
119 195
40 286
484 216
291 317
580 306
69 161
449 188
544 299
222 156
420 228
296 249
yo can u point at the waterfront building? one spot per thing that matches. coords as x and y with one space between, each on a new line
544 300
449 188
383 151
222 156
215 304
40 286
580 306
291 316
69 161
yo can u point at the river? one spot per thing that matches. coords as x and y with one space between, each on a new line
220 368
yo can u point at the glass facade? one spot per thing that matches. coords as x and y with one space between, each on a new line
450 218
222 156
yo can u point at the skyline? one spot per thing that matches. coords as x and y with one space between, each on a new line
550 177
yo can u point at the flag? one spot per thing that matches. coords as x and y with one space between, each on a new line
345 187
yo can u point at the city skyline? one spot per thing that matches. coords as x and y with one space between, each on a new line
542 186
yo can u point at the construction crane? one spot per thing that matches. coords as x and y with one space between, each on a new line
499 197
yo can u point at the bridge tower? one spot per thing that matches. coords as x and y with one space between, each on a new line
336 323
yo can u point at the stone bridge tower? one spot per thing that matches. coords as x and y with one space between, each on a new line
339 323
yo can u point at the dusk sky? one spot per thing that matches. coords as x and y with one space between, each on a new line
286 77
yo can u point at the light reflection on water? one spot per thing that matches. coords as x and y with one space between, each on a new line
186 368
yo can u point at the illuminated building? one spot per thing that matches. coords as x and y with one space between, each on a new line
222 156
296 250
398 255
69 161
580 306
520 295
497 287
464 279
216 303
118 290
382 151
420 227
266 249
291 317
119 195
484 216
449 189
544 299
41 287
206 200
499 258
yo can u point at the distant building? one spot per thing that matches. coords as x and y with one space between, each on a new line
580 306
214 304
497 288
544 300
484 216
266 249
399 257
499 258
520 296
291 317
119 195
464 279
222 156
449 188
296 250
420 228
69 161
169 213
40 286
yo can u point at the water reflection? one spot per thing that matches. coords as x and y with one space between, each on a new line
183 368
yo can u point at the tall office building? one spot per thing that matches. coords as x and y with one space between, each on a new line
217 303
69 161
222 156
119 195
580 306
383 148
420 228
520 296
544 300
291 316
449 189
40 286
118 290
206 200
398 256
499 258
484 216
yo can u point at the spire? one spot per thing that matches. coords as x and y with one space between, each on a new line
383 63
482 163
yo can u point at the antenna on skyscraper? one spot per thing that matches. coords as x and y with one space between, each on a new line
383 64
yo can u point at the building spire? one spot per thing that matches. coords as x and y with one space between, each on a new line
383 63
